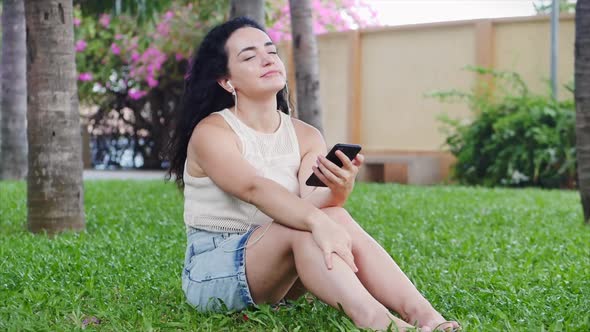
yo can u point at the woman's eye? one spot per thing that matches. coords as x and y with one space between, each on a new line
274 52
249 58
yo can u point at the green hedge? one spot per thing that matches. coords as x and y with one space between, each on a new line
516 138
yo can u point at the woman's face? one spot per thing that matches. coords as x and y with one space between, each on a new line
255 69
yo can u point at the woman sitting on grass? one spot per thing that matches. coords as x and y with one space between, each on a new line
256 233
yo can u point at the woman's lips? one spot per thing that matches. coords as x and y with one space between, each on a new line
270 73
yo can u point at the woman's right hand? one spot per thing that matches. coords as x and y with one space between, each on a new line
333 239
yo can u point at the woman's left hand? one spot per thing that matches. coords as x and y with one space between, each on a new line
339 180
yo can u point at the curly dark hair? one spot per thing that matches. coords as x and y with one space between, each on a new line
203 95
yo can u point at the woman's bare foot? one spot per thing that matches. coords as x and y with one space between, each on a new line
400 325
433 321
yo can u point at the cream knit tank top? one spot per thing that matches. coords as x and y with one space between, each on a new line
274 156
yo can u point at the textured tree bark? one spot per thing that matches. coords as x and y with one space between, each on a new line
254 9
307 72
13 120
55 192
582 96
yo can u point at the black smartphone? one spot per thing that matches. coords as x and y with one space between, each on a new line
350 150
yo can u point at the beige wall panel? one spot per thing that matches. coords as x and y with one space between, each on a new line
334 85
398 68
524 47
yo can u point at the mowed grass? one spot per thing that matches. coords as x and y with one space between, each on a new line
496 260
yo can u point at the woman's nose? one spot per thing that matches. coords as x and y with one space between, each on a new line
267 59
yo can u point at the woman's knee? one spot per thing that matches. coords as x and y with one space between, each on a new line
340 215
290 235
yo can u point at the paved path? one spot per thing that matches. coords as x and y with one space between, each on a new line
93 174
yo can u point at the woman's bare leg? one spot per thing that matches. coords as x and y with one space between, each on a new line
296 291
383 278
283 254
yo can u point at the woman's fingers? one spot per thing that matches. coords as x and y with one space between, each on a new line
329 175
323 161
320 175
346 163
358 160
328 258
346 256
349 259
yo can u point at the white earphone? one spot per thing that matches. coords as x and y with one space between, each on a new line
231 86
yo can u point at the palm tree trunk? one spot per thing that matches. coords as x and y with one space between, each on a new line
13 147
582 96
254 9
55 191
307 73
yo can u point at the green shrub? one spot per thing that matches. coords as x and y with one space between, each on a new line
516 138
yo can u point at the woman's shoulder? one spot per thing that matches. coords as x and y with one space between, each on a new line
212 124
304 128
307 135
214 120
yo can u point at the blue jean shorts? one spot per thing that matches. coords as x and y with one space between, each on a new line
215 271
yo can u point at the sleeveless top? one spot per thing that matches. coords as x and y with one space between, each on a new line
274 156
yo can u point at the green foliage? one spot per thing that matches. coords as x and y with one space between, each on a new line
494 259
132 76
144 11
515 138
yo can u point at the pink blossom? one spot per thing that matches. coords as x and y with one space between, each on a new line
134 56
163 29
105 20
285 10
136 94
77 22
274 35
318 28
115 49
80 45
85 77
148 64
152 83
169 14
278 25
178 56
118 36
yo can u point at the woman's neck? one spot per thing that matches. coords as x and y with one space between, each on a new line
260 115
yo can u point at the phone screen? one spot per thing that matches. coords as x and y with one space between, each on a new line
350 150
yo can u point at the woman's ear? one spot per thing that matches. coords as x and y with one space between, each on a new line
226 85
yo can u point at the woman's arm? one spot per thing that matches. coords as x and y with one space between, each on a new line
214 148
340 181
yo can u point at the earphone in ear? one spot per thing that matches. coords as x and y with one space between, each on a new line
231 86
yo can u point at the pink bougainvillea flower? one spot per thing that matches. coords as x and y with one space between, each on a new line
163 29
80 45
115 49
77 22
152 83
178 56
105 20
118 36
136 94
274 34
135 56
85 77
169 15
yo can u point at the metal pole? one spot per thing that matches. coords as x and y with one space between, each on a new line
554 42
118 7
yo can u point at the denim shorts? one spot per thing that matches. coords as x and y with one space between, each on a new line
214 273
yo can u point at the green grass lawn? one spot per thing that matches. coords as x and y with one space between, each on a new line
496 260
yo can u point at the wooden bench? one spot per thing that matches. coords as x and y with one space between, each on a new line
419 169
